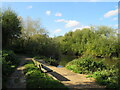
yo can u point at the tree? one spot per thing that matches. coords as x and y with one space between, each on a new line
100 41
0 29
11 27
32 27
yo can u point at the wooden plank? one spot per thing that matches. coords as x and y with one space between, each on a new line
46 68
41 66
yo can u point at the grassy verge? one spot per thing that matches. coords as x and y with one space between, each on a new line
36 79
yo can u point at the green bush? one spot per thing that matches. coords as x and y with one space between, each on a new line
104 74
39 57
51 61
10 56
86 64
36 79
107 77
9 63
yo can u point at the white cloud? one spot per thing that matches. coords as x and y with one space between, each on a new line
72 23
48 12
60 20
29 7
115 18
58 14
69 23
111 13
57 30
80 28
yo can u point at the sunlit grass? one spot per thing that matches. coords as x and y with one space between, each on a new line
36 79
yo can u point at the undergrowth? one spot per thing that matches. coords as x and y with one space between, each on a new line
104 74
9 63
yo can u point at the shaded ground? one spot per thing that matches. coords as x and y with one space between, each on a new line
17 79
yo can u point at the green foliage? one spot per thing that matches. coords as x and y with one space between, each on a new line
48 60
9 60
34 40
51 61
36 79
99 41
104 74
107 77
9 63
29 37
39 57
64 59
86 64
11 27
9 56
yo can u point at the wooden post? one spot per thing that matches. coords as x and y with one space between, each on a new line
40 67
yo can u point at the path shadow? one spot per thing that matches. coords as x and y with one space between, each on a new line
86 86
58 76
46 68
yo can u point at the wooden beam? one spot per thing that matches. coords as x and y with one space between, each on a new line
41 66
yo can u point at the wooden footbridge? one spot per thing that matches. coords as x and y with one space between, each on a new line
41 67
67 77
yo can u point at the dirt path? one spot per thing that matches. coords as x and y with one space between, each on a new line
17 79
71 79
74 80
67 77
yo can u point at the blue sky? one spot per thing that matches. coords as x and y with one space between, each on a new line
61 17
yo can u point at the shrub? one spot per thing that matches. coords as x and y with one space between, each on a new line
9 63
104 74
10 56
51 61
39 57
85 64
107 77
